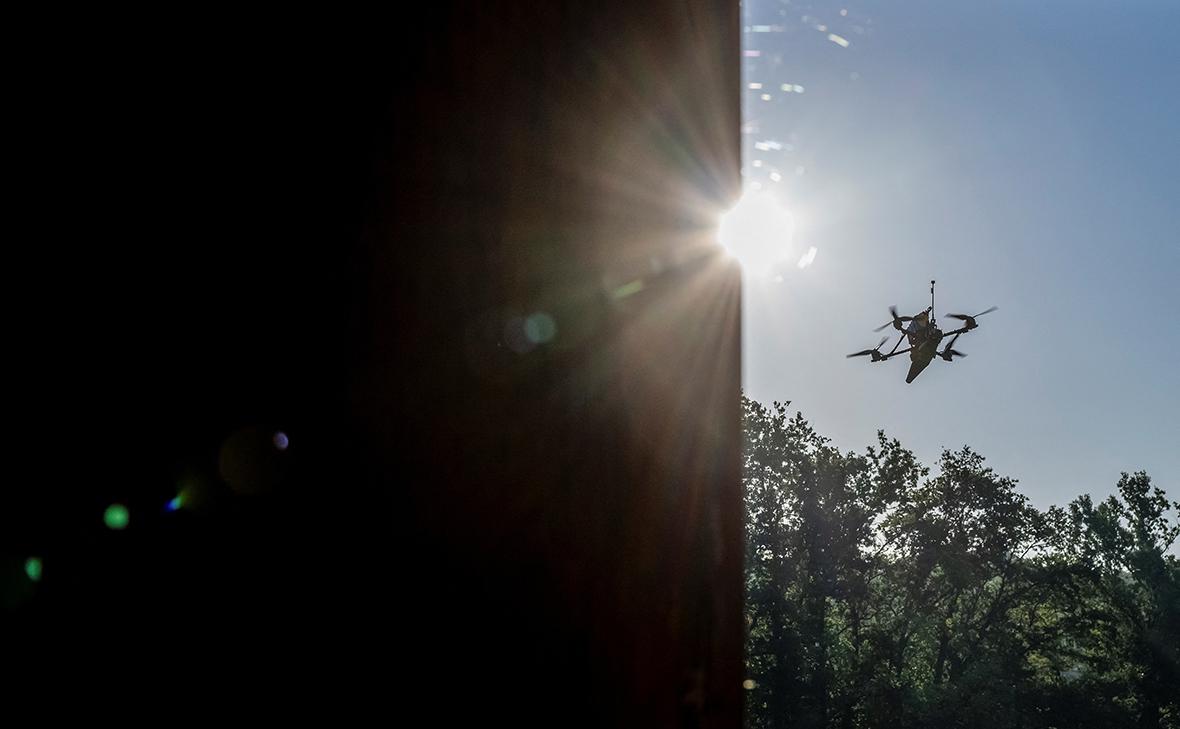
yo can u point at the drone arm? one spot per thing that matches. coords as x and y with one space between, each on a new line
895 346
893 354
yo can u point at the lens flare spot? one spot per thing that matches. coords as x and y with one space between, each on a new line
540 328
33 568
116 517
281 441
628 289
194 495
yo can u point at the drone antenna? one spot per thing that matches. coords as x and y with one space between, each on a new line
931 301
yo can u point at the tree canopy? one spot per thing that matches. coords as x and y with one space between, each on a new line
884 593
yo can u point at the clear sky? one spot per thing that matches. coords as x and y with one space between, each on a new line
1025 155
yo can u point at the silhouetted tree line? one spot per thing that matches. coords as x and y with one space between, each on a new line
882 593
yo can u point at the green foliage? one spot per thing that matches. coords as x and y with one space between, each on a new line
882 595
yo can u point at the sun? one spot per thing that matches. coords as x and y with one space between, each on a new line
758 232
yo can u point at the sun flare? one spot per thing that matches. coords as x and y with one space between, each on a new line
758 232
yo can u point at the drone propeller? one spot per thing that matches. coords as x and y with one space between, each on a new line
897 320
949 352
971 319
875 351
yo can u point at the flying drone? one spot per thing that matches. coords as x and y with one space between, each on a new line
924 337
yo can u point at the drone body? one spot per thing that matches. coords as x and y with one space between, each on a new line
924 337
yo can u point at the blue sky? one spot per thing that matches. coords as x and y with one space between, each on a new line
1025 155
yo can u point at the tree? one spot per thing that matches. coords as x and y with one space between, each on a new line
810 514
1120 548
880 595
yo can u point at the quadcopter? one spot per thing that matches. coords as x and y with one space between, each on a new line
924 336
